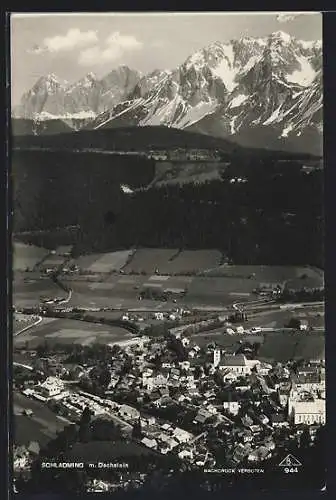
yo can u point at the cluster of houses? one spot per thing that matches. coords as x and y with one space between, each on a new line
181 154
207 390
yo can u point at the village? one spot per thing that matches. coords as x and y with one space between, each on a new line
206 406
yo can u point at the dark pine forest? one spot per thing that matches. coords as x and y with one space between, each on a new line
275 217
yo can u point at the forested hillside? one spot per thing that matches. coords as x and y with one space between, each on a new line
274 217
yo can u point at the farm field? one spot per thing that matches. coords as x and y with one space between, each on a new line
221 290
27 256
284 346
71 331
147 260
21 321
28 291
192 261
103 263
224 340
122 290
264 274
278 319
64 250
203 291
42 427
52 261
274 346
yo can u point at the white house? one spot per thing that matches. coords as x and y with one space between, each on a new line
231 406
186 454
263 368
150 443
307 412
167 442
128 412
51 387
181 435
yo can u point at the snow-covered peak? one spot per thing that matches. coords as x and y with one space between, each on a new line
86 82
303 76
310 44
49 83
51 77
280 36
91 76
249 40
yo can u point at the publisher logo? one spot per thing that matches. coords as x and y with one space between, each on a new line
290 461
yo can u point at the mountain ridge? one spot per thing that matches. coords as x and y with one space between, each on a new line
267 88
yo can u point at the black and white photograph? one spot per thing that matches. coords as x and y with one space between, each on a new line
168 325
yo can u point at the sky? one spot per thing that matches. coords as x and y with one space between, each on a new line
72 45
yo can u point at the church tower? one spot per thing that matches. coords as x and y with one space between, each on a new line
216 357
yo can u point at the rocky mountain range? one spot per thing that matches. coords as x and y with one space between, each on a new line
264 92
78 103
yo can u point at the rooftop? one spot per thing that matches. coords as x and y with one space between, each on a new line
229 360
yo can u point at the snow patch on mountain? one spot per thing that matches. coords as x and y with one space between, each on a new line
196 113
274 117
232 125
81 115
303 76
227 73
237 101
226 88
164 114
249 65
280 36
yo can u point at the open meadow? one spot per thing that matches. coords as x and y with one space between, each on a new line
41 427
280 346
68 331
104 262
264 274
148 260
27 256
21 321
284 346
192 262
30 288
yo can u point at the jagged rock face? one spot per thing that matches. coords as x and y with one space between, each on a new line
117 85
229 89
50 98
46 95
83 96
251 87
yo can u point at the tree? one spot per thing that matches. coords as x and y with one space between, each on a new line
137 431
42 350
198 372
105 377
84 425
305 438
